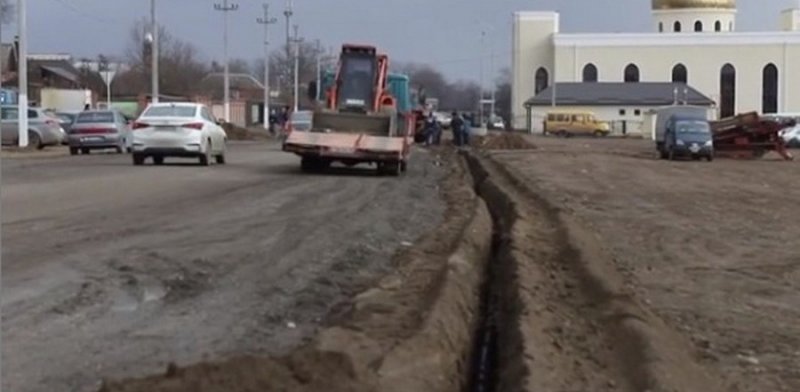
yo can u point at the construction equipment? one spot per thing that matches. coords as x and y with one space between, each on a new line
749 135
362 121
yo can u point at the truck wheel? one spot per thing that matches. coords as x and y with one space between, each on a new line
138 159
671 155
403 166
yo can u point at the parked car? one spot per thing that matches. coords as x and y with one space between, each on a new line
98 130
66 120
792 136
186 130
497 122
567 124
43 129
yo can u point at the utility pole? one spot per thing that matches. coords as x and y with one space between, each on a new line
154 52
225 8
288 12
491 85
22 71
296 44
480 100
319 71
266 21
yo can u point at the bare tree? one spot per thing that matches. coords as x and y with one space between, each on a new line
282 70
503 95
6 11
180 66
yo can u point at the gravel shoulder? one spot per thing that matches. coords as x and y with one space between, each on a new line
111 270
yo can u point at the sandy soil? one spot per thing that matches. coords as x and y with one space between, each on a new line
111 270
710 248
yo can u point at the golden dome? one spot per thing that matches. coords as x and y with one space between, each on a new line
680 4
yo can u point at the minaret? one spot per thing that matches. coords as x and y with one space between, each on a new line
694 16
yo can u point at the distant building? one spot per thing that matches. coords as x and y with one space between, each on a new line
694 42
623 105
242 87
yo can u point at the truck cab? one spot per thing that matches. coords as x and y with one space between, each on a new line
687 136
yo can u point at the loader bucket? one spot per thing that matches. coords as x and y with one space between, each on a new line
374 124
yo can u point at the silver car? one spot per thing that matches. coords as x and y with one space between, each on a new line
98 130
43 129
186 130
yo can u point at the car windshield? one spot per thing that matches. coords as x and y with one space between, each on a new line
170 111
693 127
95 117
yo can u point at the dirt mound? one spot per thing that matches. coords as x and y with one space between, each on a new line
304 371
502 141
236 132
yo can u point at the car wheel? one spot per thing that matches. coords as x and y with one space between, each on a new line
205 159
34 141
562 133
220 158
85 151
73 151
120 150
138 159
158 160
710 157
671 155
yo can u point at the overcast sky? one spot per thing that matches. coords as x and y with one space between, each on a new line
444 33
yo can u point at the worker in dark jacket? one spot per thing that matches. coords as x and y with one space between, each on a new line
433 132
457 124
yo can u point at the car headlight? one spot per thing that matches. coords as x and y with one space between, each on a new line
680 142
710 143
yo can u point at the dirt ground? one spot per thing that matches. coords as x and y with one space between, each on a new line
709 248
114 271
609 270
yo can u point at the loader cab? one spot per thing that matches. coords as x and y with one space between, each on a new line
357 78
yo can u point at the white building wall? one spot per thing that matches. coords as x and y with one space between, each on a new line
532 48
704 61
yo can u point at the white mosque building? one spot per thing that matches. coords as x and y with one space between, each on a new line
693 42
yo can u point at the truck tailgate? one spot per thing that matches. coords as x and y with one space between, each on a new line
345 145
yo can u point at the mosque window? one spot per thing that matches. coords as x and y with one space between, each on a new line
730 26
660 27
677 27
698 26
718 26
769 99
727 91
589 73
631 73
680 74
542 79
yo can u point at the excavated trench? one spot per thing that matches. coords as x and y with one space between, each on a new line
497 299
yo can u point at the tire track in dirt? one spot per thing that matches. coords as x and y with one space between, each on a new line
575 323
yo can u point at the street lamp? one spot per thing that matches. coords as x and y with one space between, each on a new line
225 8
266 21
152 38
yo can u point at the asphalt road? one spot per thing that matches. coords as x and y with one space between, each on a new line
111 270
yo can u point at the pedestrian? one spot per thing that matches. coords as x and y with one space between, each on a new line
87 107
457 124
273 120
432 130
466 127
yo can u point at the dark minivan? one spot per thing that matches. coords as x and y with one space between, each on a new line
688 136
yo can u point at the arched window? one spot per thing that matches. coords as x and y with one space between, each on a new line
589 73
660 27
769 95
677 27
680 74
631 73
542 79
717 26
730 26
727 91
698 26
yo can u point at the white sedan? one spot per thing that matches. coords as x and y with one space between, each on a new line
186 130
